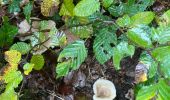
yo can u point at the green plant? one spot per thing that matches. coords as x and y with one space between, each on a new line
125 27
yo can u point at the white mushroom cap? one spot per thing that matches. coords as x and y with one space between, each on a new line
104 90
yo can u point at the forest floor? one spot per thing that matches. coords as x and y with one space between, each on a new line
42 85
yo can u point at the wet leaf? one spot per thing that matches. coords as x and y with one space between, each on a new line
142 18
124 21
140 36
161 34
86 7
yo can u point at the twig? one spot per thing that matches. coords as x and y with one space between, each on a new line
21 86
53 94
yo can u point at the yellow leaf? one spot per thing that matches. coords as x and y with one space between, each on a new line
47 5
28 68
12 56
10 67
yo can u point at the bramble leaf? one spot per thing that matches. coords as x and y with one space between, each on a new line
103 43
86 7
74 54
38 61
22 47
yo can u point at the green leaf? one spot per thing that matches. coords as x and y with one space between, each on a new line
142 18
27 11
7 33
14 77
107 3
140 36
165 19
161 34
63 69
38 61
160 90
124 21
163 90
117 10
9 95
146 92
67 8
164 67
86 7
103 43
80 27
131 2
14 6
144 4
22 47
149 62
161 53
28 68
74 54
82 31
120 51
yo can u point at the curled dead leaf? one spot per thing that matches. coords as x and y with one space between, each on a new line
24 27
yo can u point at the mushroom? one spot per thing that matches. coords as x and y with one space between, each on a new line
104 90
